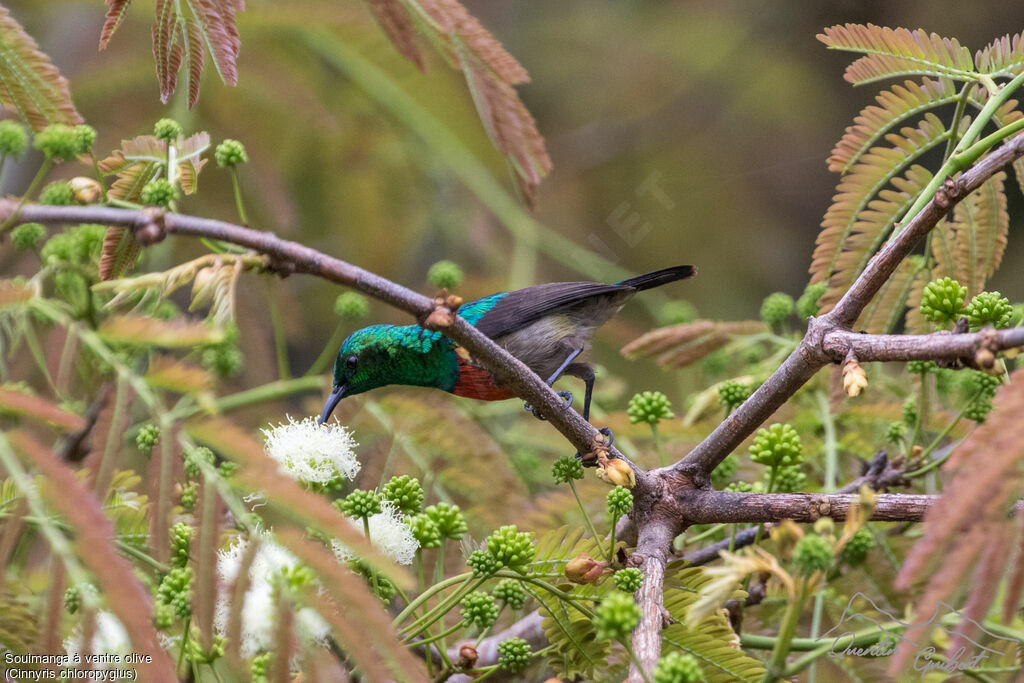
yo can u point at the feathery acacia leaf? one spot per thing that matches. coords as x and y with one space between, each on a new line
94 543
850 226
116 9
145 331
713 643
679 345
490 71
972 513
893 105
577 650
976 236
1002 57
14 402
898 52
395 20
29 82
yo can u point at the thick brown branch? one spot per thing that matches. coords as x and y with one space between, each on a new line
652 550
902 347
711 507
810 355
150 226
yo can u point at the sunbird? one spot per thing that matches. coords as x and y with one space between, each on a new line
547 327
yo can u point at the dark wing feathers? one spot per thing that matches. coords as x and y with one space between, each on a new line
520 308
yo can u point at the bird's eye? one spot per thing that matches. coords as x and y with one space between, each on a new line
351 362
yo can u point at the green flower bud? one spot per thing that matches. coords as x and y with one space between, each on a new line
159 192
776 446
194 457
649 406
258 667
163 615
511 547
223 359
789 479
181 537
910 411
513 654
566 469
85 136
57 141
424 530
678 667
715 363
445 274
230 153
13 139
942 300
167 130
921 367
776 308
189 495
812 553
619 502
807 305
360 504
732 394
147 437
628 580
73 596
857 548
28 236
725 471
616 616
746 487
405 492
351 305
449 520
677 312
989 308
483 563
510 592
895 432
176 590
479 608
57 193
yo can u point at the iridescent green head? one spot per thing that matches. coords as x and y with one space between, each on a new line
380 355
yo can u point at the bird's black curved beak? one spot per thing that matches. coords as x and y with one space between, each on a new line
337 393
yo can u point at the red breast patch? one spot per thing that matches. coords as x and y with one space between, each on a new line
476 382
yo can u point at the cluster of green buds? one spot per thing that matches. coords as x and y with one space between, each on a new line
13 139
942 300
678 667
857 548
511 548
812 553
989 308
724 471
450 521
678 312
223 358
567 469
511 593
788 479
57 193
405 492
808 303
28 236
424 530
777 446
181 537
445 275
732 394
480 609
73 596
194 460
360 504
649 406
514 655
351 306
776 308
628 580
147 438
619 502
979 388
616 616
175 591
60 142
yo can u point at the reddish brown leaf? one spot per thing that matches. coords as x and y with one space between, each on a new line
217 22
29 82
194 56
482 44
18 403
166 49
116 9
94 542
118 254
145 331
393 18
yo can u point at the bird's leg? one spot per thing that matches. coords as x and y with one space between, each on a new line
566 395
586 373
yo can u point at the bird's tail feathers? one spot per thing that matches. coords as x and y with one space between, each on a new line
660 277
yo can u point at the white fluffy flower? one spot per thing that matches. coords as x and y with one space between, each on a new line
258 617
388 531
110 637
311 452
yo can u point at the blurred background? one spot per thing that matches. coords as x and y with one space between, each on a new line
681 132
